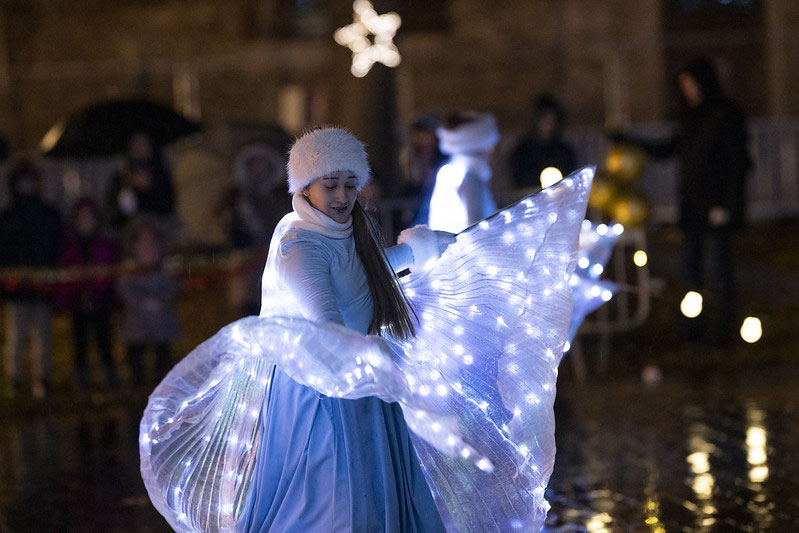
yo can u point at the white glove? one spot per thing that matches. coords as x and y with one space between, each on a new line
427 245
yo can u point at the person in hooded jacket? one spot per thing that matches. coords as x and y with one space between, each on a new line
711 146
90 296
30 239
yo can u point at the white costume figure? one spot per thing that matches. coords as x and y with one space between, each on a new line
462 195
476 385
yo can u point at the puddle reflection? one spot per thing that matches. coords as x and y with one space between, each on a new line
74 472
684 458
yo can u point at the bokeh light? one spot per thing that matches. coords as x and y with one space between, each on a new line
691 305
751 329
640 258
550 176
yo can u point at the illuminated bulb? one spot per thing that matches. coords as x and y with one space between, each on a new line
691 305
484 465
550 176
758 474
597 269
640 258
751 329
583 262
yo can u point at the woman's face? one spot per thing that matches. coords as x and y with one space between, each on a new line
334 194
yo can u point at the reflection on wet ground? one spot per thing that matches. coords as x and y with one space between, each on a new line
690 455
697 455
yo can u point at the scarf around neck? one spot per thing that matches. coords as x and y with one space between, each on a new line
311 219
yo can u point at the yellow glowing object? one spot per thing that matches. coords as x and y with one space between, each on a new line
602 193
550 176
751 329
625 163
691 305
51 137
758 474
366 52
630 208
640 258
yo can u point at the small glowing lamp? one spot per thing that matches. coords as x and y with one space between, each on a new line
550 176
640 258
691 305
751 329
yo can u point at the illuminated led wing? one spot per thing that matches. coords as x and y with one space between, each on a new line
595 247
198 436
494 313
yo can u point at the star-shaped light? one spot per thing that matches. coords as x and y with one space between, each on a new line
366 52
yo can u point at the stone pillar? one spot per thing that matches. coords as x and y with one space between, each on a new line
782 54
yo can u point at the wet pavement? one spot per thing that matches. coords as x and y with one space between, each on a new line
711 448
704 453
713 452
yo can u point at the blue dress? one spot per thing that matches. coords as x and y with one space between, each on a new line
328 464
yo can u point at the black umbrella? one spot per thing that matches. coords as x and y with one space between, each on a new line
105 129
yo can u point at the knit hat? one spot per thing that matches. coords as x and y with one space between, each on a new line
476 132
321 151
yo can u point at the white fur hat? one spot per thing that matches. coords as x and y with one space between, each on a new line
478 134
319 152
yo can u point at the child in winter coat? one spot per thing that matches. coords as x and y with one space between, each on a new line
149 295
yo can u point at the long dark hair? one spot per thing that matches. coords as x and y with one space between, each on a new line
392 310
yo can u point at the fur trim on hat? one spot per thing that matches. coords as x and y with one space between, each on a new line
424 245
480 134
321 151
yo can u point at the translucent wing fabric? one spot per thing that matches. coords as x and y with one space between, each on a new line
595 248
476 385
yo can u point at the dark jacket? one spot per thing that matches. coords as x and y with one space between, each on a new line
532 155
711 145
30 237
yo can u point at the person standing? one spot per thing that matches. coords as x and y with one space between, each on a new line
543 146
711 146
149 302
31 232
143 184
327 464
462 194
91 251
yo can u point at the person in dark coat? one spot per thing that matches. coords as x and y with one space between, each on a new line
30 238
90 298
711 145
543 146
143 185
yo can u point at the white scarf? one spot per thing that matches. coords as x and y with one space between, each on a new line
312 219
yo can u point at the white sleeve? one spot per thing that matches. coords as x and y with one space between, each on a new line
304 267
399 257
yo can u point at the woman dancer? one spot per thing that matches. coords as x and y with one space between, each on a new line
328 464
287 421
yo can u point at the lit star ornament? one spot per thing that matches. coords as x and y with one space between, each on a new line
366 52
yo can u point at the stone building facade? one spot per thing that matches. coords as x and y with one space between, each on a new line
609 62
